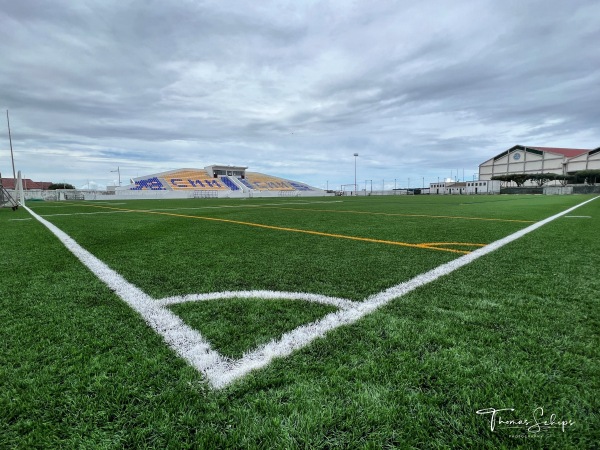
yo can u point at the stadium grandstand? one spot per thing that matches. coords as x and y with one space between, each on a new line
215 181
521 159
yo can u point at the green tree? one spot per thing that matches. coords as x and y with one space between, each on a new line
588 176
542 178
564 179
504 179
55 186
520 178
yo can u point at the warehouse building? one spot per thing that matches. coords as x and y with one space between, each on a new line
522 159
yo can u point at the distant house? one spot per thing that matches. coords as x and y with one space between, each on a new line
28 184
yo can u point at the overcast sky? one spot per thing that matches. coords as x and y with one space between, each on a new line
293 88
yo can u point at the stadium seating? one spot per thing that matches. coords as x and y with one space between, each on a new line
150 184
201 180
229 183
194 180
261 182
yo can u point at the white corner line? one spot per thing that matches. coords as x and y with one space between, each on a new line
221 371
340 303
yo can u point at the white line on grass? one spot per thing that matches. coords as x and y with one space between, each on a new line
89 213
187 342
178 209
221 371
258 205
341 303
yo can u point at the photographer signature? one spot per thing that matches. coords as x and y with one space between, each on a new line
536 424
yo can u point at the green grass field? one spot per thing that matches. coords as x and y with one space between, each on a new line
517 328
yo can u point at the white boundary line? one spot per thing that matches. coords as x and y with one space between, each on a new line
254 206
88 213
221 371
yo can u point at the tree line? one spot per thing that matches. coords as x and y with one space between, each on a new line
55 186
583 176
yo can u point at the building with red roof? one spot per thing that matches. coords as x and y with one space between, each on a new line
524 159
28 184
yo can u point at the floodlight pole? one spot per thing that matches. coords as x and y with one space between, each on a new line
119 172
355 187
11 149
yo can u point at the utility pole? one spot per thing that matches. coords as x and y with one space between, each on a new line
11 149
355 187
119 172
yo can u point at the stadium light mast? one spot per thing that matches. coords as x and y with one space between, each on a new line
355 188
119 172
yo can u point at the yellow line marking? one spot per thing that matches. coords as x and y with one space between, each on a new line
400 214
427 246
356 212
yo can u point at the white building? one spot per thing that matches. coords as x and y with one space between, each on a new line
465 187
585 161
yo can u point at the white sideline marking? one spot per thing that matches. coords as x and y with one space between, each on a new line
180 209
258 205
87 213
221 371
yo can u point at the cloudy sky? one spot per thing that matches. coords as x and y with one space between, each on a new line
293 88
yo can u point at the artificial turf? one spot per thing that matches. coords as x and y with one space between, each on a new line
518 328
